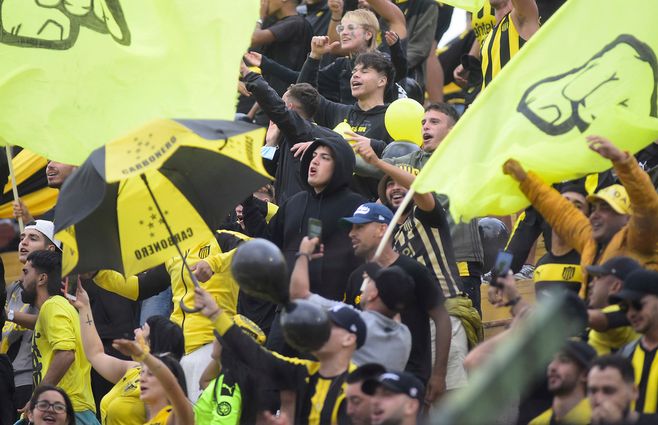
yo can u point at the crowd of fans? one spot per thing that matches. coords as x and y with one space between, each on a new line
406 325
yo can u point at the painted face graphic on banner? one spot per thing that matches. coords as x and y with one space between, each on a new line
624 73
56 24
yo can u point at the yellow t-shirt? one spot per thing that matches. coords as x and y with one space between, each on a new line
121 405
613 339
161 417
581 414
58 329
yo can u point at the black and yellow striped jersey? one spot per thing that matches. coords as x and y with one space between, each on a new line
320 400
561 272
425 237
645 363
502 43
618 335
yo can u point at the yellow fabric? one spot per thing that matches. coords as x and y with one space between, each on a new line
544 102
613 339
58 329
579 415
637 239
121 405
161 417
222 286
271 210
483 21
554 272
462 308
196 327
26 164
462 266
69 63
469 5
649 391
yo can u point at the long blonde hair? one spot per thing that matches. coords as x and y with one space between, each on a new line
368 21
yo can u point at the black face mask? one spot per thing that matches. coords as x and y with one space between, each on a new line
28 296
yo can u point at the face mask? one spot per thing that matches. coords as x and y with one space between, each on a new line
268 152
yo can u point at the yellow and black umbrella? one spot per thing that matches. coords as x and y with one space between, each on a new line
143 198
30 172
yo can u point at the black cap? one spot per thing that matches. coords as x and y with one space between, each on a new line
394 285
619 267
637 284
397 382
579 351
349 319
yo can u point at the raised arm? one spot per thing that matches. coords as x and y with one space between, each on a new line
392 15
135 288
300 285
424 201
526 17
183 413
108 367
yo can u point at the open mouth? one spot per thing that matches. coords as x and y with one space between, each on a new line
397 197
312 171
426 137
49 418
356 84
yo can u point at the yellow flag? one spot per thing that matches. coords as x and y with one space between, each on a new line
471 5
79 73
575 77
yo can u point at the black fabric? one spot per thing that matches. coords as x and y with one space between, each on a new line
427 297
318 15
617 319
328 275
289 375
443 22
7 407
570 259
294 129
114 316
648 157
547 8
293 42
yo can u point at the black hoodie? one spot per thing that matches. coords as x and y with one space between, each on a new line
329 274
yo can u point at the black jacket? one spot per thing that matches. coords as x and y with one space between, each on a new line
328 275
294 129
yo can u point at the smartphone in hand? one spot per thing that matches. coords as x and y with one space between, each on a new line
501 267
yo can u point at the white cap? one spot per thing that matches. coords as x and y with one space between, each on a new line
47 228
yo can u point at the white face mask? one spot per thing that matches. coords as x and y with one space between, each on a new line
268 152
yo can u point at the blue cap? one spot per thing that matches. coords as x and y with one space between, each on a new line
370 212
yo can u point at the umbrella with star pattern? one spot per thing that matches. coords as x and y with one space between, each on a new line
143 198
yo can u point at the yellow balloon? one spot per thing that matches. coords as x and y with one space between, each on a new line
403 120
341 128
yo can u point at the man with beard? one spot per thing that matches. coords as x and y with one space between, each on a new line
396 398
57 352
359 404
21 317
612 391
567 379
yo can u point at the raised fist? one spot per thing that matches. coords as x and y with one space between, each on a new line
55 24
622 73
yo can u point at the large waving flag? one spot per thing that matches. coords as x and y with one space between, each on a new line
576 76
79 73
471 5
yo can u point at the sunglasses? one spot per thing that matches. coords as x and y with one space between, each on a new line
635 304
44 405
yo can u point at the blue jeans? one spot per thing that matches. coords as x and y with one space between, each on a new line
156 305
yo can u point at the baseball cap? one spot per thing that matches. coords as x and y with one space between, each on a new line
370 212
616 266
47 228
614 195
349 319
579 351
394 285
397 382
637 284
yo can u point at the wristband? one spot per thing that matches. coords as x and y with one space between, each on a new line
303 254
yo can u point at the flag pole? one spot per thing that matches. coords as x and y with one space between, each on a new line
187 267
14 188
394 221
